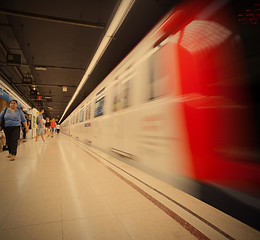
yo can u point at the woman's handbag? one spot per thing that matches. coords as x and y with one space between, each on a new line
2 124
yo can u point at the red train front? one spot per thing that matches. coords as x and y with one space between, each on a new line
220 104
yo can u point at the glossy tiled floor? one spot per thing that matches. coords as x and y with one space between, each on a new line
63 190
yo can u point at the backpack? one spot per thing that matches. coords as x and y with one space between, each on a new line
2 125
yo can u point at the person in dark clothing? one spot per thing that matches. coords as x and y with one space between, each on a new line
12 121
23 127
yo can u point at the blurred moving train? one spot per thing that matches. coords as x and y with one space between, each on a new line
183 106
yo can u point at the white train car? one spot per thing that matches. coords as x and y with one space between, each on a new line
173 109
128 112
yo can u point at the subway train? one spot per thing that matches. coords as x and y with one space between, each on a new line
183 106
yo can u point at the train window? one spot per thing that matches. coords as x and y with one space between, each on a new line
155 80
126 94
86 113
117 98
99 104
77 117
89 111
99 107
81 116
87 117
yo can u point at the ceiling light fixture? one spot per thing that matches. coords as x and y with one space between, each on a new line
40 68
64 88
116 22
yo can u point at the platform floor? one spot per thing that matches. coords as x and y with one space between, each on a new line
65 190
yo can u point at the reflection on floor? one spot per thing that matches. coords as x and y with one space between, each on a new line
63 190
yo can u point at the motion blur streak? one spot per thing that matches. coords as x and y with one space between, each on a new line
184 106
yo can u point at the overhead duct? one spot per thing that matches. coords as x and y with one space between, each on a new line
13 58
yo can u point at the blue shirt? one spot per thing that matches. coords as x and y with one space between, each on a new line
38 121
12 119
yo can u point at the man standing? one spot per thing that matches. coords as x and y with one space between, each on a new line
40 129
53 124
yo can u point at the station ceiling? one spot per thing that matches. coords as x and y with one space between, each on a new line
62 36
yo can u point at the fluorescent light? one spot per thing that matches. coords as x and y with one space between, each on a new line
64 88
41 68
119 17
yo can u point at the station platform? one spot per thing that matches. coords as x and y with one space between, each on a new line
63 189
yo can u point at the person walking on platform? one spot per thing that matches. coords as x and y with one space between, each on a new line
40 129
23 127
12 121
58 128
47 126
3 140
53 124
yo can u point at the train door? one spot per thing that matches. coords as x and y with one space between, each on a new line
32 113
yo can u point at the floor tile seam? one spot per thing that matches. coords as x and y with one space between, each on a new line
11 209
134 179
115 166
189 227
108 195
96 196
96 217
78 196
138 180
226 235
87 217
115 218
123 226
172 204
82 218
39 202
61 213
28 226
147 210
107 211
185 224
195 221
41 190
143 185
17 201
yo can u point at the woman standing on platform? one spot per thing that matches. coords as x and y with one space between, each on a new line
12 121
